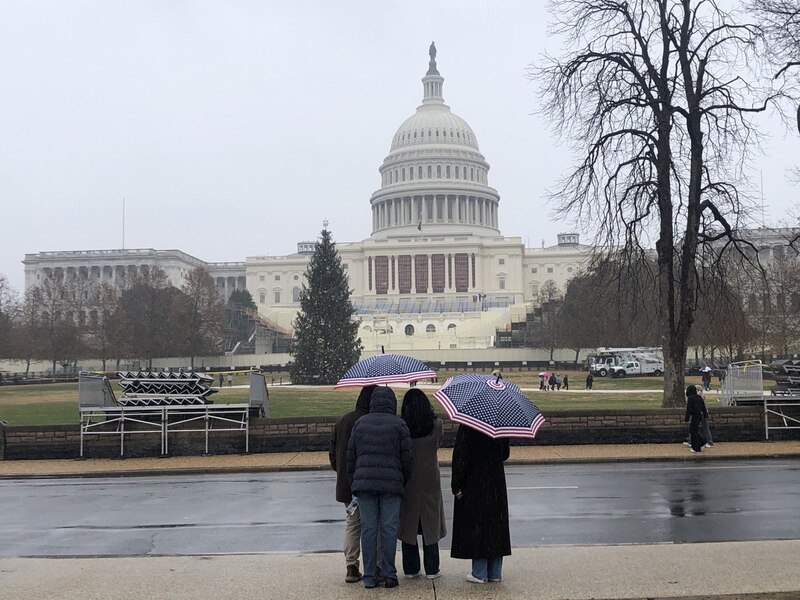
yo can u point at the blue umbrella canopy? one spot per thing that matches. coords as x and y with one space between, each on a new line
385 368
487 403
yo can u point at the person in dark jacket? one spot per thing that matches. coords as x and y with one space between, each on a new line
422 509
589 381
696 411
379 465
566 381
552 382
337 455
480 513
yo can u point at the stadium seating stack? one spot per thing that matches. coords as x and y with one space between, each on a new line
145 388
787 378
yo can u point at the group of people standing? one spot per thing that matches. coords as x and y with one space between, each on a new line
388 476
553 382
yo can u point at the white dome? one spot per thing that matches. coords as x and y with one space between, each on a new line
434 124
435 178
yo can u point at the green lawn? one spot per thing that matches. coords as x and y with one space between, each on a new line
56 403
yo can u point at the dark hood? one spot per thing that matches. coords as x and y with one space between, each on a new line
362 404
383 400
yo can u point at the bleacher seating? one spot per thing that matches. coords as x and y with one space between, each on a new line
787 378
163 412
145 388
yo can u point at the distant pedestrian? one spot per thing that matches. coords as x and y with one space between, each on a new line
480 513
695 411
566 382
558 382
589 381
230 380
541 381
552 381
220 380
379 465
706 379
422 508
337 455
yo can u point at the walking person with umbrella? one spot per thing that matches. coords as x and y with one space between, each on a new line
337 455
489 411
422 509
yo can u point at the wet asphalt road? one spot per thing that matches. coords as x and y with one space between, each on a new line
621 503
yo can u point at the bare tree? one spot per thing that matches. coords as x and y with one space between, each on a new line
780 19
104 341
204 314
51 306
545 329
9 311
657 101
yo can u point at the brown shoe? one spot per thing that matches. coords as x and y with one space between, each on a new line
353 574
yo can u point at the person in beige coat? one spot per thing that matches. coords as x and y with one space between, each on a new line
422 508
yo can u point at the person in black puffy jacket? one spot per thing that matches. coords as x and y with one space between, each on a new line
379 464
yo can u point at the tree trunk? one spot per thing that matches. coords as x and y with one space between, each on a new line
577 355
674 379
27 367
104 365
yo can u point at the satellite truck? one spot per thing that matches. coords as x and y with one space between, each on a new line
621 362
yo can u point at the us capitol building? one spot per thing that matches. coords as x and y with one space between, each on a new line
434 273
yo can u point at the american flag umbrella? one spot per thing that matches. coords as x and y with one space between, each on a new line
487 403
385 368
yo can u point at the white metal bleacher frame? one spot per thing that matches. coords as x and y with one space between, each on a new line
744 385
775 405
99 408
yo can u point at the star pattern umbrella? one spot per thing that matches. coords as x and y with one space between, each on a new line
385 368
485 402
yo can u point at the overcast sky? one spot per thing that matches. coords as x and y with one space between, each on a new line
234 128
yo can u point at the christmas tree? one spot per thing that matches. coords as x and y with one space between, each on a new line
325 330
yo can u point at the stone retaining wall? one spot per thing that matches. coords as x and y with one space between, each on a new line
313 433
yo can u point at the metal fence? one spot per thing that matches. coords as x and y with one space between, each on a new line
744 383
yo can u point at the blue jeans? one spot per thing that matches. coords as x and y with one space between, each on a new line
430 555
380 514
487 568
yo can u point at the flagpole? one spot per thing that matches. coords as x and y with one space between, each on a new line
123 222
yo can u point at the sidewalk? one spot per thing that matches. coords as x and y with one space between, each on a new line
723 570
759 570
298 461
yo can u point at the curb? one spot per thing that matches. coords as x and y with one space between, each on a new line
444 463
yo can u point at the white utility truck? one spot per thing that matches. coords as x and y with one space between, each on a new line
604 361
634 367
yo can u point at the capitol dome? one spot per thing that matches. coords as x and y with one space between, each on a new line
434 124
434 179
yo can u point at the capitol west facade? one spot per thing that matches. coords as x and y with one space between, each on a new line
435 272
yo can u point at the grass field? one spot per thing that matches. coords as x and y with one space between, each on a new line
57 403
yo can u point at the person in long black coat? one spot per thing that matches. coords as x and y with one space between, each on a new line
696 411
480 514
